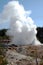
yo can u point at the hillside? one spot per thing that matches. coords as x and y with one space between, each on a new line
21 55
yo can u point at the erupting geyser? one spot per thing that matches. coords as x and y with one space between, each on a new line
22 28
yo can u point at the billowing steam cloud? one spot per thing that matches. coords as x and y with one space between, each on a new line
22 28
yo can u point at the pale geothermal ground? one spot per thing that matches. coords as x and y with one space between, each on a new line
25 55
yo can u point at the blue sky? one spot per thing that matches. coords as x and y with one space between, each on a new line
36 6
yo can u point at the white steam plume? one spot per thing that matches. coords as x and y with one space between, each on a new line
22 28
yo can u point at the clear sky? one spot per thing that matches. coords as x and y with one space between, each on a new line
36 6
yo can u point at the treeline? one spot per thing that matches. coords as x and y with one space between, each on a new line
39 34
3 34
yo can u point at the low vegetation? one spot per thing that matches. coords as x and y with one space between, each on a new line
3 60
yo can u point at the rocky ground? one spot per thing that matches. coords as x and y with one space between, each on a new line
24 55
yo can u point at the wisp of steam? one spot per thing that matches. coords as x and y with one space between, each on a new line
22 29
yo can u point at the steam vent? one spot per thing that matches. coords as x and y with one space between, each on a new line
24 48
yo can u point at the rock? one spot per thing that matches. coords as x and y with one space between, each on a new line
24 55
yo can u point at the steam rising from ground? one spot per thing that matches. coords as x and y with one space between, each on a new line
22 28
